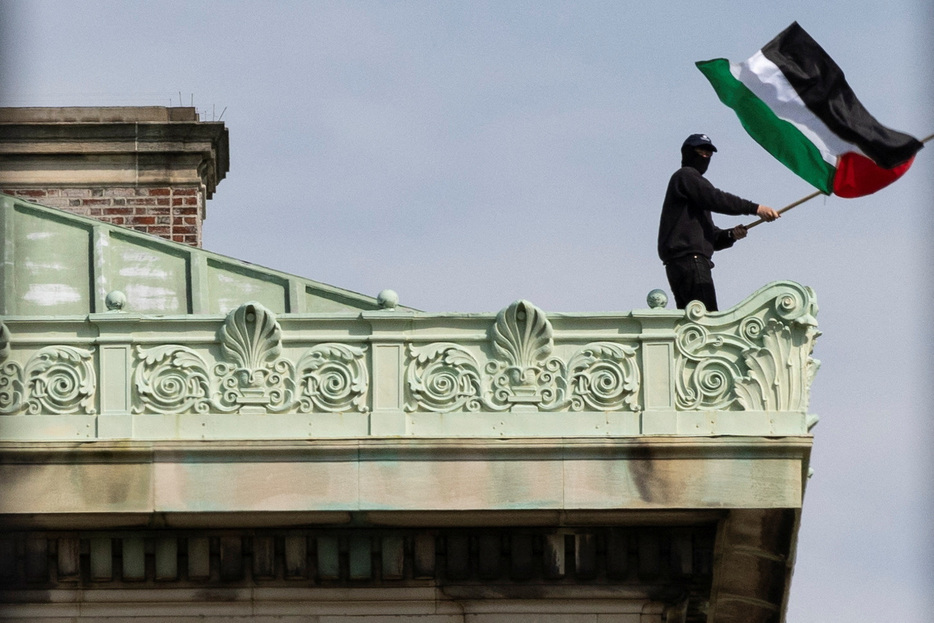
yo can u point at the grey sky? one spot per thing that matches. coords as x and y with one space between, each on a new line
469 154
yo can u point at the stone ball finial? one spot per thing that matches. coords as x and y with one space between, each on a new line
115 301
387 299
657 299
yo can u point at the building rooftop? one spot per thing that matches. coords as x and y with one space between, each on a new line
166 398
97 114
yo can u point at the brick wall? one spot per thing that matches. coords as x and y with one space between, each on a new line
174 213
151 169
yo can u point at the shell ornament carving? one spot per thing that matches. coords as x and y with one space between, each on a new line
758 359
523 336
251 338
522 372
526 373
251 376
56 380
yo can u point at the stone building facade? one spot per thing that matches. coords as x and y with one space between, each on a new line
210 440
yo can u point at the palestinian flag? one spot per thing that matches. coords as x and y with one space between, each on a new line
793 100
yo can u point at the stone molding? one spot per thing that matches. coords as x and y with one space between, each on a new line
111 147
400 475
148 169
428 604
404 373
499 513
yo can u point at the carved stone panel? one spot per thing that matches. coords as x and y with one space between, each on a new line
522 371
758 357
55 380
251 375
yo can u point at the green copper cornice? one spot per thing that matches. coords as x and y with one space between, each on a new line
256 374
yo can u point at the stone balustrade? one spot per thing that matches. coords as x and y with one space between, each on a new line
255 374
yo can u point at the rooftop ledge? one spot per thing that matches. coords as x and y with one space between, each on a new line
522 372
110 334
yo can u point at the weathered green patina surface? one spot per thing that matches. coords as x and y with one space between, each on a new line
204 347
59 264
146 383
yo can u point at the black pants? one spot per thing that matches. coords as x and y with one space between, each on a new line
690 280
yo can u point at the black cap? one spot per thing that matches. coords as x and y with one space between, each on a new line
699 140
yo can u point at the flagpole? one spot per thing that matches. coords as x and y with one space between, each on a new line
811 196
788 207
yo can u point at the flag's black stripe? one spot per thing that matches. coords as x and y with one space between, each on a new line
821 84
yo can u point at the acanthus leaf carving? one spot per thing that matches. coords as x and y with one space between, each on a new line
172 379
756 358
523 374
251 377
605 377
11 377
55 380
333 378
4 343
780 372
61 379
443 377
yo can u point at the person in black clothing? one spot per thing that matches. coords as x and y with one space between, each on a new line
687 236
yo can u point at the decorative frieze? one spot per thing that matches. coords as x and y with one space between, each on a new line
444 377
251 376
756 358
55 380
648 372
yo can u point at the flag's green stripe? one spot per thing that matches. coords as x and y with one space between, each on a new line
779 137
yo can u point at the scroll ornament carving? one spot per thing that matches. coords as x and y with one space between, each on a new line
55 380
172 379
761 362
251 376
444 377
333 379
605 377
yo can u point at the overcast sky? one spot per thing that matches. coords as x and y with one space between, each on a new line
469 154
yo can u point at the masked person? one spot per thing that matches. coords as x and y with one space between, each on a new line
687 236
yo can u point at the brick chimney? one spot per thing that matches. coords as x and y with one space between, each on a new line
148 168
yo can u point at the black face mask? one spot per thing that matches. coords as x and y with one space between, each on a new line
690 158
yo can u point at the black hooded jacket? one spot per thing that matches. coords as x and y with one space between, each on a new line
686 227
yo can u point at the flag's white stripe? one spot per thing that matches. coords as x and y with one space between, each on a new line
768 83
